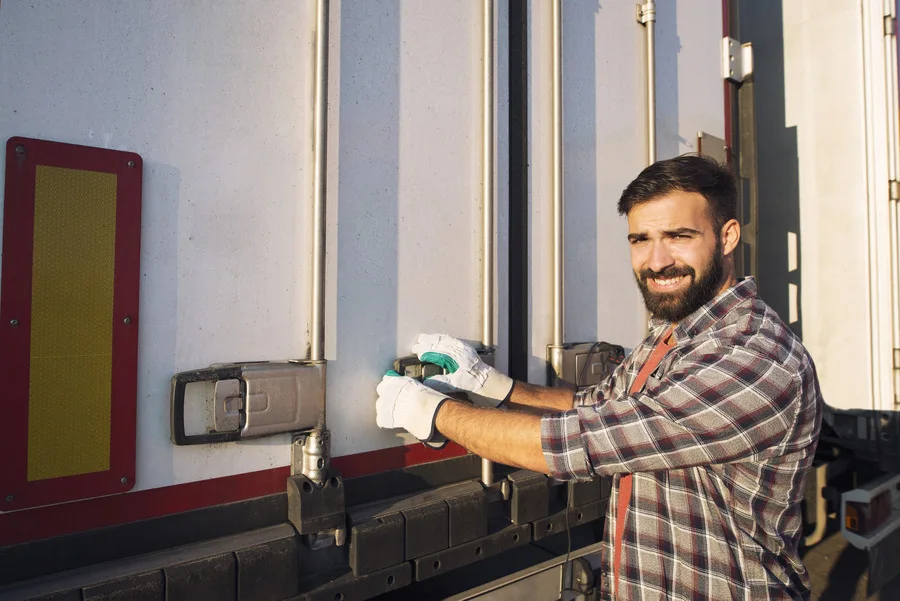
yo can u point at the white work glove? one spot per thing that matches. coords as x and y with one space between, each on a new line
408 404
484 385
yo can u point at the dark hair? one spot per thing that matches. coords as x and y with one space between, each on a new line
686 173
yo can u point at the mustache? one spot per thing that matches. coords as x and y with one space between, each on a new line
672 271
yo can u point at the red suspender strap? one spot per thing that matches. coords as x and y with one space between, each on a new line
665 343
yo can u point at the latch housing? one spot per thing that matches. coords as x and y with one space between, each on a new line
254 399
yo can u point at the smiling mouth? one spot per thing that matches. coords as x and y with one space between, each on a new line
669 283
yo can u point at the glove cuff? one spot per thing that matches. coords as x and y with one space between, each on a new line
496 389
432 437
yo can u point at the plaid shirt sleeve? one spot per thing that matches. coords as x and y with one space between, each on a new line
710 407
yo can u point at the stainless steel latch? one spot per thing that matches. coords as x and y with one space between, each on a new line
254 399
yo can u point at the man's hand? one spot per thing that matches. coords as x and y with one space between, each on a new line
405 403
466 371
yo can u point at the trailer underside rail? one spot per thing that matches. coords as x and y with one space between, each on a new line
438 521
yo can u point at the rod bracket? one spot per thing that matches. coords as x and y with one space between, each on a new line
646 13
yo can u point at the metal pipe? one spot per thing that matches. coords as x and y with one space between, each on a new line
558 265
488 199
647 18
487 176
320 136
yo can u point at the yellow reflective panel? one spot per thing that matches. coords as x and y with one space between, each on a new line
71 322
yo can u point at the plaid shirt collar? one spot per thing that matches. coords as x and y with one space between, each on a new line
710 313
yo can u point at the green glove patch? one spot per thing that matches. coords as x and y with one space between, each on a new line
391 372
441 360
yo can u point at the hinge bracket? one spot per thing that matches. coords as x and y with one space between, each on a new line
890 26
737 60
894 190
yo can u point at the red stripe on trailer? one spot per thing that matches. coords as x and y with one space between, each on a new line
69 518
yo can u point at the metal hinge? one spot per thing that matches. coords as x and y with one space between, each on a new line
737 60
646 13
890 25
893 190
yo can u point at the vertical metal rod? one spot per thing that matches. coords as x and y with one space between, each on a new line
558 248
891 85
487 175
488 202
647 17
317 326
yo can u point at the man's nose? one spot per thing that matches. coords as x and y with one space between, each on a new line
660 257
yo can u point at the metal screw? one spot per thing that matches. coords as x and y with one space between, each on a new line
9 498
14 322
124 480
126 321
131 163
20 149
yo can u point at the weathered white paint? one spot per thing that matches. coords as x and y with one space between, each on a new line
217 98
406 190
835 99
604 115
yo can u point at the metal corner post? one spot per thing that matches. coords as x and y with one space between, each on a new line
488 197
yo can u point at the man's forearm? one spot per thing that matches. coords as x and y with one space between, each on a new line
525 395
507 437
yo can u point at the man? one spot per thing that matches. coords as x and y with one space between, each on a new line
707 428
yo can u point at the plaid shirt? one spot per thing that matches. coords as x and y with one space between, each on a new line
719 442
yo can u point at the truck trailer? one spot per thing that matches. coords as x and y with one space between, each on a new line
224 221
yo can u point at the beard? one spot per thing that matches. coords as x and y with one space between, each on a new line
675 306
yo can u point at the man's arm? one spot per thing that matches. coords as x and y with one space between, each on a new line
507 437
532 396
714 407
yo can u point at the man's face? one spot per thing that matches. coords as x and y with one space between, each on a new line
676 254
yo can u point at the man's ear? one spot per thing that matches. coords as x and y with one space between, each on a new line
730 236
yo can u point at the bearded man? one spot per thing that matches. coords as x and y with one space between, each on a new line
707 428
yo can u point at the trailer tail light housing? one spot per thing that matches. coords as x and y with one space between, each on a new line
871 512
865 518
